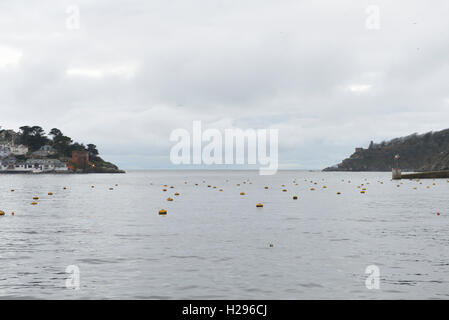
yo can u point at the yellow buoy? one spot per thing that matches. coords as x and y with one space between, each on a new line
176 194
12 190
111 188
35 198
285 190
295 197
33 203
92 186
164 190
169 199
266 187
220 190
242 193
162 212
324 187
312 189
338 192
2 213
50 193
64 188
259 205
362 191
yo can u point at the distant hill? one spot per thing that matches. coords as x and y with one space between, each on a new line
418 152
33 143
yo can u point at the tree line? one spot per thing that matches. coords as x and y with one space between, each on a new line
34 137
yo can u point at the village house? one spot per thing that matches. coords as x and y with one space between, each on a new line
12 165
44 151
7 149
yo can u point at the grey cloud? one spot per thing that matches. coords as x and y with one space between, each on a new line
148 67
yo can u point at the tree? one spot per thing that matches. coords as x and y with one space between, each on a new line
92 149
33 137
55 133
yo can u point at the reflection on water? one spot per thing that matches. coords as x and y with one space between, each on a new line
216 244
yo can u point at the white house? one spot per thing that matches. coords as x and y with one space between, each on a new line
32 165
8 149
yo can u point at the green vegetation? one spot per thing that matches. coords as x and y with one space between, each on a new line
425 152
60 145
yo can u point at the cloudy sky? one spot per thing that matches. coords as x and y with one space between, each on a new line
327 74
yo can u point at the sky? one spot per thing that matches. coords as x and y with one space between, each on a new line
329 75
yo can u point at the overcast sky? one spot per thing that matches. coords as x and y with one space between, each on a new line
135 70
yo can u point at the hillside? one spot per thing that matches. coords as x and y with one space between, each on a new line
32 148
425 152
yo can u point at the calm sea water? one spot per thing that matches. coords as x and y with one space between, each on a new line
216 244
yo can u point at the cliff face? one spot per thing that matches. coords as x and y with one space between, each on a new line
426 152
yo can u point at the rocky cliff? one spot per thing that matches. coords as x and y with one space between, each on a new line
425 152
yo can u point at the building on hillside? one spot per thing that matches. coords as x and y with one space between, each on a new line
11 149
80 159
44 151
19 150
